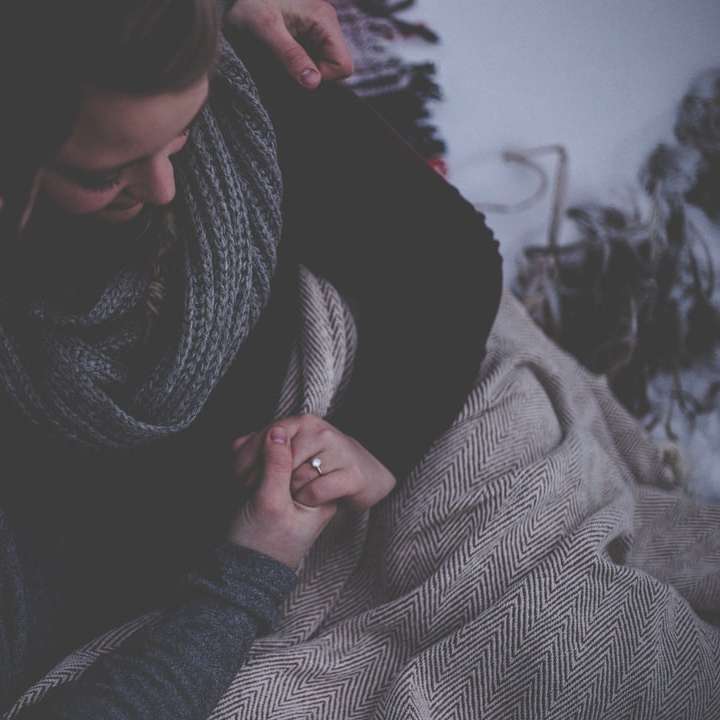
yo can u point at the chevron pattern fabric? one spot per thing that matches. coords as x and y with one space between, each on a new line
534 564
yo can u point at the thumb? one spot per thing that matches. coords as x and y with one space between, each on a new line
289 52
277 467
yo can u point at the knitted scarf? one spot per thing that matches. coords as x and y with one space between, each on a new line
74 373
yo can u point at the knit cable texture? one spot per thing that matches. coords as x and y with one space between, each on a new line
69 372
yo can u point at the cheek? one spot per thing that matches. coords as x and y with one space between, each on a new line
74 199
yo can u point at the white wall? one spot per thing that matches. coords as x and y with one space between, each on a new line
602 77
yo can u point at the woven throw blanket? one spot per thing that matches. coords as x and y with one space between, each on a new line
532 565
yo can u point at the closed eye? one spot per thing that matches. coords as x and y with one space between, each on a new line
92 182
100 183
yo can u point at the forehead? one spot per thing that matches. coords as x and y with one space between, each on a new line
116 128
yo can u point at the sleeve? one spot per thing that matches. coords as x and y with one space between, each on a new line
179 667
13 618
414 258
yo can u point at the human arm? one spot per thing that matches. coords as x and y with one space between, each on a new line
179 667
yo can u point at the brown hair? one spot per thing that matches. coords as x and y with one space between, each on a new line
52 52
146 46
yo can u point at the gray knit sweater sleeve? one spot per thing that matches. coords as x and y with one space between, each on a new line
179 668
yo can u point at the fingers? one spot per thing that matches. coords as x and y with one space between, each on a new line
309 436
329 48
275 484
321 443
247 451
344 484
247 447
307 37
302 476
290 53
238 442
323 489
277 468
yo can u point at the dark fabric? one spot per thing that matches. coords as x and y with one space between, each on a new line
179 667
415 258
421 270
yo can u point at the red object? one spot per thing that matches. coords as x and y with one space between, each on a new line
439 165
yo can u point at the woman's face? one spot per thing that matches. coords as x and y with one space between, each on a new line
118 156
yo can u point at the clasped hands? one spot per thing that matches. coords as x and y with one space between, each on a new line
289 501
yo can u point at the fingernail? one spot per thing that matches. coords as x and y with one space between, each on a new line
278 435
310 77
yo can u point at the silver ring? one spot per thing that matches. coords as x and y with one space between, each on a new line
316 462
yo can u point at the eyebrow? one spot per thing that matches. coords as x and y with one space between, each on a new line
87 172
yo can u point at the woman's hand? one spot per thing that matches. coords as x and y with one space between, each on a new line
349 472
305 35
270 521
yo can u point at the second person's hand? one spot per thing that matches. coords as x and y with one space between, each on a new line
270 521
349 472
305 36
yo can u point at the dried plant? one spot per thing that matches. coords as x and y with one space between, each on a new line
635 294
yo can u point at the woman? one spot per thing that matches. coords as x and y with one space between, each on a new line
517 568
132 107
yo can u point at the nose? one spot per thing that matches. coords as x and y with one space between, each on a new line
155 181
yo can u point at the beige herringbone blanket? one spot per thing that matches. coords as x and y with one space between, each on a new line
530 566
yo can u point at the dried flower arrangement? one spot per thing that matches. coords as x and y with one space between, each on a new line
634 295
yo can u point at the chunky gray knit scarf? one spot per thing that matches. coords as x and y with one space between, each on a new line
71 372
